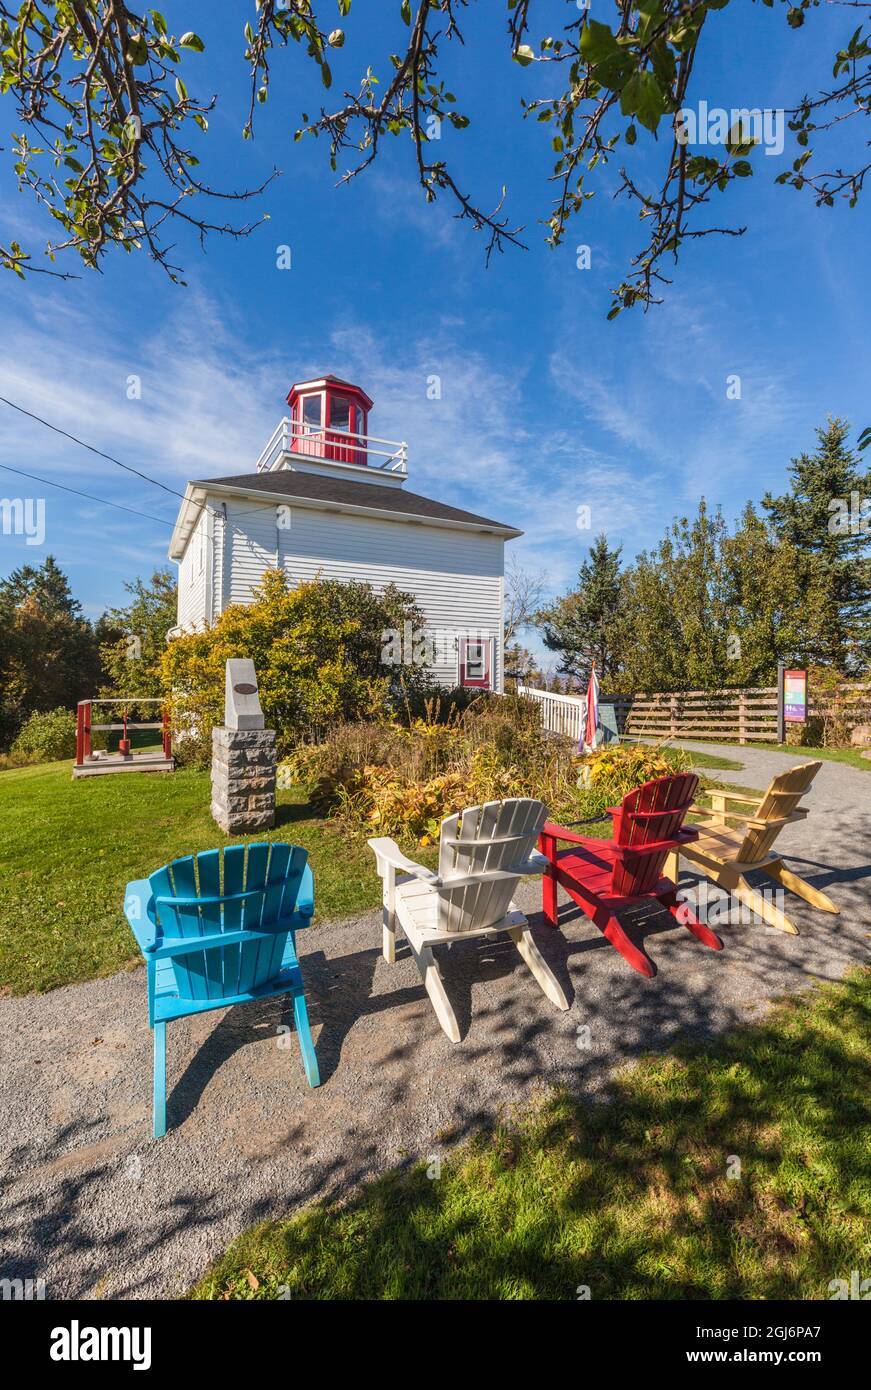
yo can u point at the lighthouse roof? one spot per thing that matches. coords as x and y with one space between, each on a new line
320 383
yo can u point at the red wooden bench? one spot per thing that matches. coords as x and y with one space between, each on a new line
602 876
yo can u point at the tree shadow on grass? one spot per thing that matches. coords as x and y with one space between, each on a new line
732 1170
292 812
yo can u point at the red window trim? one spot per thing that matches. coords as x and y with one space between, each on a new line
473 682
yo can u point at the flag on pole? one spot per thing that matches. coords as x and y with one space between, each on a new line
591 718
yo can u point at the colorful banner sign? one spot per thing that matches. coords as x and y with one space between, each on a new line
795 696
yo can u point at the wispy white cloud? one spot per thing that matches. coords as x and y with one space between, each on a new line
622 441
399 202
666 405
210 399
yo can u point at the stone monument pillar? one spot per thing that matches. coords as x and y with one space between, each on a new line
243 757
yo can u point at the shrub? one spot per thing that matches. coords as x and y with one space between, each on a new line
46 737
840 707
317 650
443 708
387 804
403 781
614 769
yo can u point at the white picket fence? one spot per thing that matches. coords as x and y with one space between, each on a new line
560 714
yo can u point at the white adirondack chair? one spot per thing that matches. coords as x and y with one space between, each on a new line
482 855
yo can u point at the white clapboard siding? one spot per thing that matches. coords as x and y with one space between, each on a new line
455 575
253 548
194 577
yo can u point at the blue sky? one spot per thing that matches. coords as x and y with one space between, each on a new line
545 406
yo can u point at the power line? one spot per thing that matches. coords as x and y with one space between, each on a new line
203 506
103 501
90 447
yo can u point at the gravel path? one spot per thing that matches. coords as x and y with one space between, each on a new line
97 1209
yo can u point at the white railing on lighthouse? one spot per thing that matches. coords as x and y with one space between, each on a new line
295 438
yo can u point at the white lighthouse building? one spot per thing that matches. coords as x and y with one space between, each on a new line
328 499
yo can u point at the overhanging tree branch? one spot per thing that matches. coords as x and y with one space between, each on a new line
104 115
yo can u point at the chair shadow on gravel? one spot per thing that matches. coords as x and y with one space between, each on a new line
481 960
246 1024
338 993
826 875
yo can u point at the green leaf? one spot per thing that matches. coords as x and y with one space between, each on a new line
743 168
137 52
193 41
609 63
597 42
405 11
523 55
643 97
326 75
336 38
631 135
181 89
664 65
344 7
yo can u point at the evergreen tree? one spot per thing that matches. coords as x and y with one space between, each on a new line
583 626
675 611
825 518
762 593
46 585
49 654
651 637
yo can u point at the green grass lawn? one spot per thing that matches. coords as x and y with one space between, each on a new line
68 849
632 1198
851 756
706 759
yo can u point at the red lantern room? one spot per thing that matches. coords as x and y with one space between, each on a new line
329 419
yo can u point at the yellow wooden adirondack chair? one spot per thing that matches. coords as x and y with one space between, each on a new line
725 853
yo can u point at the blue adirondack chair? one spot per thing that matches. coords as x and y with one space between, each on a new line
211 940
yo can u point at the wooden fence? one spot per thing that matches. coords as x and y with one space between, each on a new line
701 714
744 716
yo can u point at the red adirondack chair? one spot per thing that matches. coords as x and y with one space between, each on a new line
602 876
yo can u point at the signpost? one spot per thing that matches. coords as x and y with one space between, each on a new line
795 696
791 699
